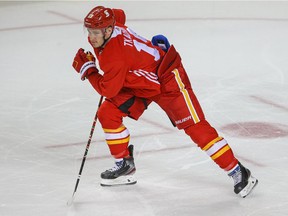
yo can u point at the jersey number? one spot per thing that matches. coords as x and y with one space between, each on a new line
151 51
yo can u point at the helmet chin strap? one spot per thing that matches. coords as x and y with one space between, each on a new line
105 40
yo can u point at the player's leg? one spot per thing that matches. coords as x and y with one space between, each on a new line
218 149
116 134
117 138
187 114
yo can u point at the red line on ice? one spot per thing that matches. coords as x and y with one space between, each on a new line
265 101
77 21
145 152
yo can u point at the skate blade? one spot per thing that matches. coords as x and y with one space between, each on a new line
122 180
252 182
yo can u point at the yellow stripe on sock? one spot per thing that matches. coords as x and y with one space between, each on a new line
120 141
211 143
222 151
121 128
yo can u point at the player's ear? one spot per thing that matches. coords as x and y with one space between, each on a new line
108 32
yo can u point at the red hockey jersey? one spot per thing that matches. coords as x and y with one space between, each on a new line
127 61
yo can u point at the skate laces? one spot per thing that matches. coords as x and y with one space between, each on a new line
236 174
118 165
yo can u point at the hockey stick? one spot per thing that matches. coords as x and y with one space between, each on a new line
70 201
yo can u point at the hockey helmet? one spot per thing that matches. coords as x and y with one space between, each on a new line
119 15
99 17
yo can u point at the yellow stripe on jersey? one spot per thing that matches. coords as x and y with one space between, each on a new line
119 141
186 96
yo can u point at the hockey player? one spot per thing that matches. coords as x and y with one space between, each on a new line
136 73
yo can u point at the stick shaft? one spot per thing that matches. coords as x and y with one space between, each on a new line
86 151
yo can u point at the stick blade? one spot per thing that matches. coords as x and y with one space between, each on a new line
70 201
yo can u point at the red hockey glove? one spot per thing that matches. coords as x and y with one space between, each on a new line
84 63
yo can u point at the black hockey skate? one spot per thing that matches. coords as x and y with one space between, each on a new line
244 182
121 173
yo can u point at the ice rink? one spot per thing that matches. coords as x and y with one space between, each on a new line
236 55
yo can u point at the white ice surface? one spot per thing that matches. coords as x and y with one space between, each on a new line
236 55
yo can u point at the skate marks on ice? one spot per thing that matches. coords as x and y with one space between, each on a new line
275 209
97 200
155 196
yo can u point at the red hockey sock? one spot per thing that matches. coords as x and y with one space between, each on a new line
118 140
217 148
219 151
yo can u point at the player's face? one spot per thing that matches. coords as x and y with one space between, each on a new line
96 37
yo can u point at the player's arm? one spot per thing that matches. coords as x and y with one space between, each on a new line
111 82
108 84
